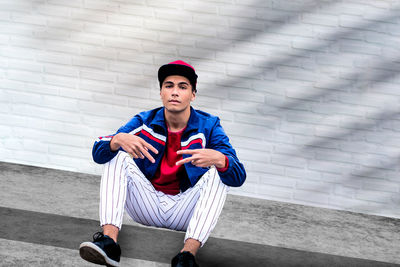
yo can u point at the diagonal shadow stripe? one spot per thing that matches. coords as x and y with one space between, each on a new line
159 245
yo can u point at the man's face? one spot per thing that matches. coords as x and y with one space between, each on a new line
176 94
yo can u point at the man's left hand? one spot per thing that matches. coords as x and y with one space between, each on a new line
203 158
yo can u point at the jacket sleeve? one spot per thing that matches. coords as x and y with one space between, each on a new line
101 151
235 175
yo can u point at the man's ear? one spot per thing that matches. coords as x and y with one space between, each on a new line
193 96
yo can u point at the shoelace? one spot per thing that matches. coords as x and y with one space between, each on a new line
98 236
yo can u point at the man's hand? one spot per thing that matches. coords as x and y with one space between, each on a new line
203 158
133 145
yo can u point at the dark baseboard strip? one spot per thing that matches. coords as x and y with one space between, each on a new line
160 246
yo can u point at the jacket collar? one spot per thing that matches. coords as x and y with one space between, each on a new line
159 120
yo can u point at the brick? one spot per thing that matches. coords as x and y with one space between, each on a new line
138 33
57 58
4 39
360 48
125 20
379 185
335 60
60 46
18 53
349 203
297 74
33 146
110 99
333 156
196 53
69 151
89 62
96 86
142 104
28 18
23 76
246 24
330 166
137 9
72 128
237 11
160 25
235 34
23 98
275 192
300 173
97 52
86 15
210 66
311 197
314 186
185 40
29 42
266 121
160 49
125 67
237 58
54 10
243 72
239 106
328 108
205 101
101 109
290 161
171 15
65 163
45 113
98 75
320 19
373 196
24 65
102 5
29 157
342 190
42 89
72 3
250 131
173 4
65 23
13 143
303 30
60 103
197 29
297 128
60 81
210 19
52 34
61 70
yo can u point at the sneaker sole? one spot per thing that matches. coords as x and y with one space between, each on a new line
94 254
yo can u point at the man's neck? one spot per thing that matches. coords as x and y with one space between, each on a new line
177 121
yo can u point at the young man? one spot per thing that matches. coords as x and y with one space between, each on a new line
168 167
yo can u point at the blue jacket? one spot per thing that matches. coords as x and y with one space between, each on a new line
203 131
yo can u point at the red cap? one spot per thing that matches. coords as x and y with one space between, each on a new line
178 67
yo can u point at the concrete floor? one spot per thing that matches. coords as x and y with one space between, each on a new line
49 212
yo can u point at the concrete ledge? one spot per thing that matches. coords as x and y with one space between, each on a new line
250 231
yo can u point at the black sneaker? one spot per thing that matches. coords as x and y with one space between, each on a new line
103 250
184 259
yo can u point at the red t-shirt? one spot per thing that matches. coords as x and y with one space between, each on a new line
168 175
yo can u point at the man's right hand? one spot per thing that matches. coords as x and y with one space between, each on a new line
133 145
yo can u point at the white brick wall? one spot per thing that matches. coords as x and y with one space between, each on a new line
308 91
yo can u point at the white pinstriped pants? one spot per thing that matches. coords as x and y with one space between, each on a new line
195 211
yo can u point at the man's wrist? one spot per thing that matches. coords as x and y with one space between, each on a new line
114 143
221 162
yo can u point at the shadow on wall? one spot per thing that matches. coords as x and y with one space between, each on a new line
321 91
